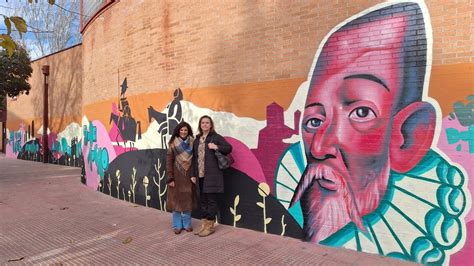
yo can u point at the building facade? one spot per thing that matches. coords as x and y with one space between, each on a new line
351 122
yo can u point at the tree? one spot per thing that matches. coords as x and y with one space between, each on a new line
6 41
2 102
55 27
15 70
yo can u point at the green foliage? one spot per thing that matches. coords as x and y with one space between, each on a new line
51 2
2 102
14 72
6 41
20 24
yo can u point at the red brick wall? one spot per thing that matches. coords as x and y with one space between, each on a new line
163 44
65 92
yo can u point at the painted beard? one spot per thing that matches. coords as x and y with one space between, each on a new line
326 201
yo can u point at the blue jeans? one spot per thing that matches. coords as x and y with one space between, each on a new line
181 220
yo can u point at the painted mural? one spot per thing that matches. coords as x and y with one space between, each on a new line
362 158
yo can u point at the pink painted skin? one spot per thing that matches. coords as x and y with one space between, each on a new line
347 124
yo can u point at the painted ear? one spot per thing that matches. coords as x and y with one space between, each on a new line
412 135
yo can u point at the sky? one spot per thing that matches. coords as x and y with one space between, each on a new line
12 7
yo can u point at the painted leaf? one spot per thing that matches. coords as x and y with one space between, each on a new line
261 205
237 217
263 189
9 25
232 210
117 173
268 220
236 200
20 24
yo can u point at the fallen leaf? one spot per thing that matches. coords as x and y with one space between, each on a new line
64 208
127 240
16 259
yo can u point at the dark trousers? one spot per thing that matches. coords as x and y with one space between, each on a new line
209 203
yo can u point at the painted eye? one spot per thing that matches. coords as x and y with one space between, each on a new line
313 123
362 114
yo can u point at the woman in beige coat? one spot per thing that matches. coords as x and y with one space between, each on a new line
181 198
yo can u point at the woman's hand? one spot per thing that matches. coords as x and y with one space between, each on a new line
212 146
193 179
171 184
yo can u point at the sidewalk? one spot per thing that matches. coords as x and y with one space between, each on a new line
47 216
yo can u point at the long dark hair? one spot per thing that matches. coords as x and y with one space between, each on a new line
212 124
178 128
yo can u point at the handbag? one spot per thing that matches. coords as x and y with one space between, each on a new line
223 161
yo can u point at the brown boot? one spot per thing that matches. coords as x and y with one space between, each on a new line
203 225
208 229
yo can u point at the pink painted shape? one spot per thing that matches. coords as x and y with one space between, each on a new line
119 149
464 256
52 138
103 141
9 151
9 146
245 161
463 157
114 132
270 141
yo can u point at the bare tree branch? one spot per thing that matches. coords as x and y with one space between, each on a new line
56 27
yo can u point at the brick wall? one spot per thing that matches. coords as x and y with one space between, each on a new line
231 56
65 92
164 44
245 63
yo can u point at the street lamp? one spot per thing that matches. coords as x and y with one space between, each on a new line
45 70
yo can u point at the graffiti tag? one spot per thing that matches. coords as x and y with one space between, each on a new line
97 155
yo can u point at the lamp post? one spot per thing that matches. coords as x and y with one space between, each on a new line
45 70
3 122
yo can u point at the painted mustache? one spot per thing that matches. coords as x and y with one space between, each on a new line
325 176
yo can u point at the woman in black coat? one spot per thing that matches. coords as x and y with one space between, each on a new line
207 173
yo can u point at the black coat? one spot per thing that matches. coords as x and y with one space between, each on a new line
213 177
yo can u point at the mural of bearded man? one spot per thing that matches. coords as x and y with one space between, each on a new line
368 128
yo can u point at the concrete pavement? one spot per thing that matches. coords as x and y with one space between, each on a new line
47 216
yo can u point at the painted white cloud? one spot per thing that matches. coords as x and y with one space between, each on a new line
227 124
40 131
71 131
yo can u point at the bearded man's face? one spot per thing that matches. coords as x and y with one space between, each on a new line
346 127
